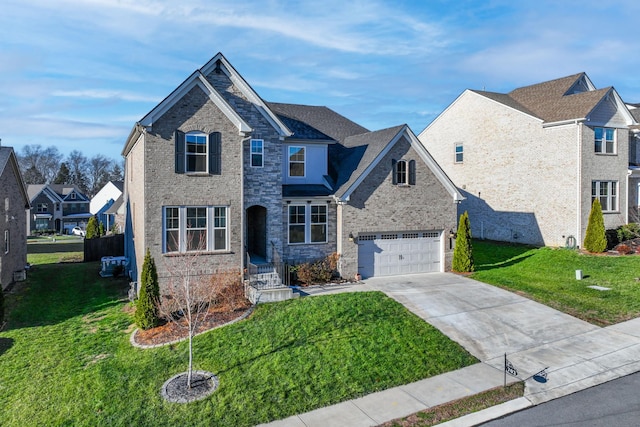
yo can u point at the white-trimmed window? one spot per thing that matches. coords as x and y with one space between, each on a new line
459 153
401 172
196 152
6 242
607 193
605 140
42 208
296 161
257 153
195 228
307 224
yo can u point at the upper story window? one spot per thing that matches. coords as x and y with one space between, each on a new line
459 153
42 207
307 224
72 196
6 241
605 140
257 153
296 161
195 228
607 193
197 152
404 172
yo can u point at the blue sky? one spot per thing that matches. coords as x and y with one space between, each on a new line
78 74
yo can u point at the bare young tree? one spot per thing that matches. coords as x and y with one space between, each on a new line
190 294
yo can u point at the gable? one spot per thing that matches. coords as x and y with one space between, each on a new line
401 133
610 111
9 162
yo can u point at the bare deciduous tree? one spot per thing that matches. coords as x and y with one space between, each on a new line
192 294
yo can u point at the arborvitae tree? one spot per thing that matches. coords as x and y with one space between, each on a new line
101 229
595 239
146 316
93 229
463 252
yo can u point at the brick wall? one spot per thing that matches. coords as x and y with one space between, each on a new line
14 221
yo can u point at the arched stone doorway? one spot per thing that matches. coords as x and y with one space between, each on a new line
257 232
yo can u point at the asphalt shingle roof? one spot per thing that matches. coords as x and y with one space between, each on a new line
322 119
552 101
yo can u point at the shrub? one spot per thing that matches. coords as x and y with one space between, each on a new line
146 315
595 239
229 291
317 272
628 232
101 231
93 230
463 252
612 238
624 249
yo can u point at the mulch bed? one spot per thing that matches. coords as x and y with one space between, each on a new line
171 331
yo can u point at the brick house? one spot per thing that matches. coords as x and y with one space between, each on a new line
531 161
14 202
261 183
57 208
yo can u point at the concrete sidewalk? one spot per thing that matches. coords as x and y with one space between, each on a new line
488 322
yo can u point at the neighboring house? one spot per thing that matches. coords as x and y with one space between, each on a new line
57 208
115 216
104 200
530 162
258 183
14 202
634 165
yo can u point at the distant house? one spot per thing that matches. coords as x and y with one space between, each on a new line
57 208
530 162
14 202
104 200
257 183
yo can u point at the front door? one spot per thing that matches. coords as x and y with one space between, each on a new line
257 231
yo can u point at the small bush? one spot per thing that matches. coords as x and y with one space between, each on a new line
628 232
318 272
623 249
229 295
612 238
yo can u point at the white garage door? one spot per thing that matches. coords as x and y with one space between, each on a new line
388 254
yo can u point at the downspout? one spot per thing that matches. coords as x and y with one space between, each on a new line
243 225
626 214
579 188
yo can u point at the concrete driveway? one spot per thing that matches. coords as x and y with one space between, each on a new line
489 322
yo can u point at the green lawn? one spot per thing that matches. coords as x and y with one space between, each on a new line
548 275
65 356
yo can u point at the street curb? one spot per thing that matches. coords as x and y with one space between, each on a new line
489 414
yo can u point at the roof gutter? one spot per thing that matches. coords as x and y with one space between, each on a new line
564 122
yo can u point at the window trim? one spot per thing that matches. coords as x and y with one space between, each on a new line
187 154
303 162
308 222
611 199
183 229
260 153
42 208
402 172
457 153
603 141
6 242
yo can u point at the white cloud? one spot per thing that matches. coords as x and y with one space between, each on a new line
106 94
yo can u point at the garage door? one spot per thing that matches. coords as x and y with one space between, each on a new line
388 254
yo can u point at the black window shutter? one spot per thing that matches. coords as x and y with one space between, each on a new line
394 172
412 172
215 153
179 137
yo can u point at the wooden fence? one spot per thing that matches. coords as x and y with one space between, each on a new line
95 249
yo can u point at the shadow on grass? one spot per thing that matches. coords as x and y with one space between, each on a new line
54 293
489 255
5 344
51 247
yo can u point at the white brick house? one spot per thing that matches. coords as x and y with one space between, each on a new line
530 162
262 182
